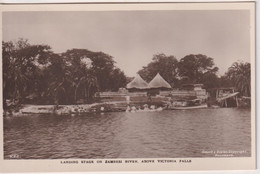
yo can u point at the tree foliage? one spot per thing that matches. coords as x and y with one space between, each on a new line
197 69
165 65
35 72
190 69
22 63
240 76
97 64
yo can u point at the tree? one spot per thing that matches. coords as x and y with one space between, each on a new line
86 87
60 82
99 65
210 80
8 77
225 82
21 67
198 69
118 79
240 76
34 73
165 65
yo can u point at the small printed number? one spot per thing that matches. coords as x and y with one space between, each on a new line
14 156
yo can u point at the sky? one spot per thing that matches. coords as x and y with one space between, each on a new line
133 37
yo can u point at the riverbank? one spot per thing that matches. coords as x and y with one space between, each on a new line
113 106
156 104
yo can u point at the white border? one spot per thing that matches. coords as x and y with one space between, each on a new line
257 45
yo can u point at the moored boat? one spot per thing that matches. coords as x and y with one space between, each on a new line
188 107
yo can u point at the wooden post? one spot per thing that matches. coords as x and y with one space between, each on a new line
226 102
236 101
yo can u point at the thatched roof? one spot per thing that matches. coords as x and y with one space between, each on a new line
159 82
137 83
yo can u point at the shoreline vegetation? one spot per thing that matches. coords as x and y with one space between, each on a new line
37 79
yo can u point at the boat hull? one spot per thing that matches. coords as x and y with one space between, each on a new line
188 107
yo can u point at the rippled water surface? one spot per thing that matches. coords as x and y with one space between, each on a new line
169 134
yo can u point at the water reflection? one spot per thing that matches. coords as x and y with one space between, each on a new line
128 135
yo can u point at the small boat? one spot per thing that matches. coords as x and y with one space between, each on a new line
214 106
150 110
188 107
144 110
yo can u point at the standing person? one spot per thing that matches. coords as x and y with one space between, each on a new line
171 98
149 97
208 99
56 106
127 99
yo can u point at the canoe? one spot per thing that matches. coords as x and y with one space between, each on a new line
188 107
146 110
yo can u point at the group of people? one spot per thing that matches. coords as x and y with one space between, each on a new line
145 108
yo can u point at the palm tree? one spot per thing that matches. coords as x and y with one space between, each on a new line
20 83
88 83
240 75
14 73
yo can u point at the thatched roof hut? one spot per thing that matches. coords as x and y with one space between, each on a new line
137 83
159 82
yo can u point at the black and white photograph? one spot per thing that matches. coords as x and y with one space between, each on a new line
130 85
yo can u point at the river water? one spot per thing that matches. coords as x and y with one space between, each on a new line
167 134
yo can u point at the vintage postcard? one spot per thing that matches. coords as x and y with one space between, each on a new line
127 87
